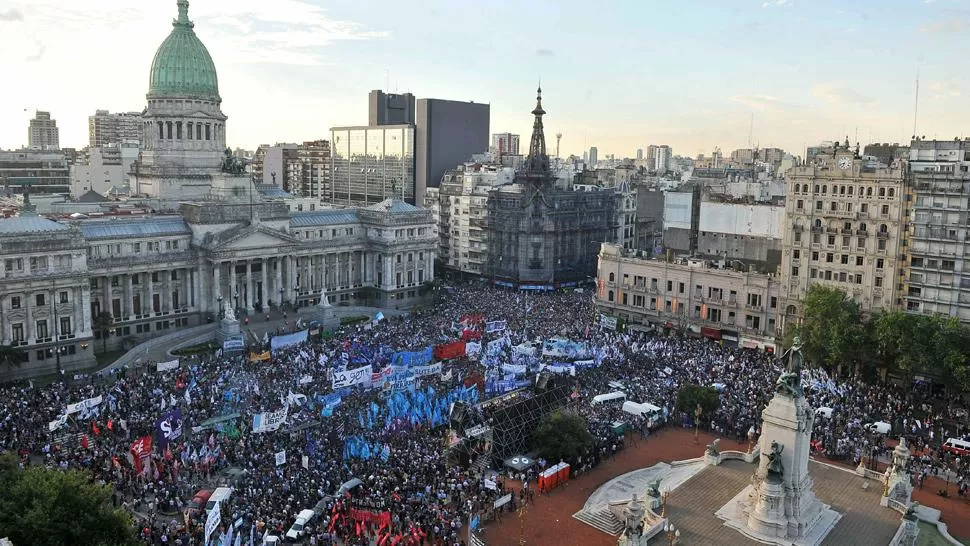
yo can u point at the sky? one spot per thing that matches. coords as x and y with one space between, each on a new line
618 75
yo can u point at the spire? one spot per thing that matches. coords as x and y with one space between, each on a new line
183 20
538 160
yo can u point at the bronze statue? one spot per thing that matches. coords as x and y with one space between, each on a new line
714 449
653 489
790 382
775 466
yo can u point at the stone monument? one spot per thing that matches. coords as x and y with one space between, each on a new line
228 326
323 313
633 524
779 507
898 487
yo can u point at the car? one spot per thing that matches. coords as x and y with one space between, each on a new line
196 506
299 526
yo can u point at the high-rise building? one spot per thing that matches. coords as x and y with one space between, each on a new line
937 279
34 171
593 156
371 164
447 132
661 158
390 108
639 154
844 227
105 128
314 162
104 169
43 132
275 165
505 144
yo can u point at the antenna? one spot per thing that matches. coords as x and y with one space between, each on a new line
916 104
387 79
558 138
751 130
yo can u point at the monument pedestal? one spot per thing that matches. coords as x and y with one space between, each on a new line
323 313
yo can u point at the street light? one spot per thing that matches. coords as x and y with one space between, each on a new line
698 411
672 533
220 310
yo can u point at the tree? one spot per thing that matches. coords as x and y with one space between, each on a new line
103 323
562 436
43 506
832 331
689 396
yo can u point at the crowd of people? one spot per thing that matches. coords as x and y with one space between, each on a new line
405 489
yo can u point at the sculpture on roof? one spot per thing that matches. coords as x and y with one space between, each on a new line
232 164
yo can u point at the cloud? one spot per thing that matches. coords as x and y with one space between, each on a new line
946 26
943 90
542 52
11 15
36 56
772 3
838 94
762 102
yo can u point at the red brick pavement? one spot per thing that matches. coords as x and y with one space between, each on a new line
550 521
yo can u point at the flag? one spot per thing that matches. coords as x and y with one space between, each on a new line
141 450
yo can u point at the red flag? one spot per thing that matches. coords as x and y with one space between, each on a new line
84 442
357 525
141 449
111 424
95 429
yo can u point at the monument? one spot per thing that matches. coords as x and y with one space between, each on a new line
229 336
323 313
779 507
898 488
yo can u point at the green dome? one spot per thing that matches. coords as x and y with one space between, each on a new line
182 65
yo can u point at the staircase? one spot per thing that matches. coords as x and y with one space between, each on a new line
480 465
69 441
601 518
476 540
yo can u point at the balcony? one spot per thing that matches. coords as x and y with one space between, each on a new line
862 233
797 228
832 231
817 229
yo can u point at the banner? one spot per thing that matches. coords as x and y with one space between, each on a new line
349 378
378 379
608 322
416 358
513 369
84 405
421 371
525 349
259 357
491 484
495 326
166 366
57 423
212 522
288 340
270 420
281 458
306 380
168 428
470 335
141 450
502 501
376 519
495 347
233 345
450 350
473 349
305 462
559 369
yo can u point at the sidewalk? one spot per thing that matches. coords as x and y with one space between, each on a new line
157 349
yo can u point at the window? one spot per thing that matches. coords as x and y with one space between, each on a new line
882 244
885 209
136 247
799 205
892 192
842 276
175 275
796 254
798 236
880 263
39 301
858 278
609 295
399 261
814 256
829 257
878 282
62 297
794 271
818 205
861 243
831 239
42 329
774 302
681 287
864 207
612 277
828 275
858 260
15 302
833 206
17 332
65 326
845 259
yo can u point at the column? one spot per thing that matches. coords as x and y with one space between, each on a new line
233 290
86 310
151 294
263 264
216 283
128 305
361 278
249 286
4 321
279 296
389 279
29 333
166 300
106 300
196 284
76 310
338 272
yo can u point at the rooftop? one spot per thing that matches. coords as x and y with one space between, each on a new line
393 205
324 218
145 226
29 224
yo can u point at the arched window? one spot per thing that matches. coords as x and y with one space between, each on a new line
850 189
882 192
612 277
168 128
609 295
818 222
825 189
791 310
892 192
868 192
188 130
208 133
161 131
862 226
883 228
178 130
816 188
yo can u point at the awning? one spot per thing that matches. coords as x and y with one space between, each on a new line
519 462
728 337
712 333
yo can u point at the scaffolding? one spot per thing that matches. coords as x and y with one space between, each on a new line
514 424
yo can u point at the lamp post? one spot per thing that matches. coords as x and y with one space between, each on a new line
663 503
698 411
220 309
281 299
522 512
751 439
671 533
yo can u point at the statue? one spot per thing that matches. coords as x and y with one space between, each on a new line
790 382
775 466
324 300
230 313
232 164
653 489
714 449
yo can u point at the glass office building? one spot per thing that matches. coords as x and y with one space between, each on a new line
371 164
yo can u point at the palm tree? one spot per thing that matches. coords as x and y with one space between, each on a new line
103 323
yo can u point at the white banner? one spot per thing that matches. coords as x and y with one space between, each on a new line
490 484
281 458
513 369
269 421
305 462
502 501
349 378
421 371
84 405
472 348
495 326
57 423
571 370
446 376
166 366
306 380
212 522
608 322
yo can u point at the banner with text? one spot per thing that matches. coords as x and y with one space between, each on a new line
288 340
166 366
349 378
269 421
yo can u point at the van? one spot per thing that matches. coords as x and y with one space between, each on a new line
824 411
299 526
196 506
219 495
880 427
956 445
642 409
600 398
